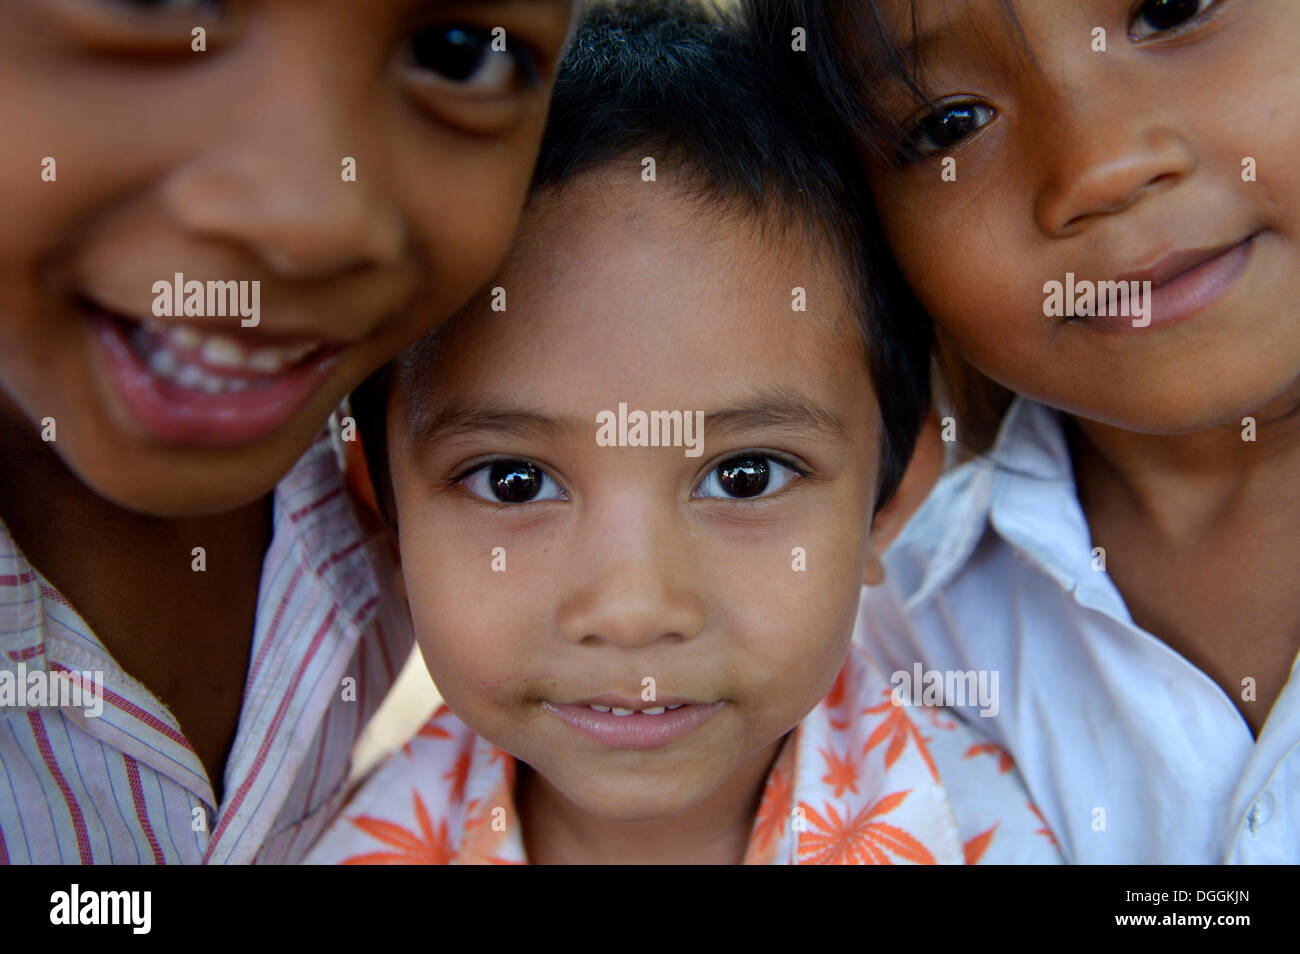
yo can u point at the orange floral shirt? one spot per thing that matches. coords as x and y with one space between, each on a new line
859 781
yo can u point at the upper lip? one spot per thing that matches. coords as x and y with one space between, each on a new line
613 699
209 326
1174 265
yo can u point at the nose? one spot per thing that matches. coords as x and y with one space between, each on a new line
1105 158
635 588
272 181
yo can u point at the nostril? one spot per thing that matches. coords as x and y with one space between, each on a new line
1162 179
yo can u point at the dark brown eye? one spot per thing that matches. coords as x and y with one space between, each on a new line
1167 14
472 57
952 125
948 124
515 481
1160 16
512 481
746 476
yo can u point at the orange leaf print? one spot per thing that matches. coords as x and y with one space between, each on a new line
429 731
1044 830
888 803
976 847
835 698
774 809
471 814
898 728
859 840
937 721
413 849
459 776
840 773
988 748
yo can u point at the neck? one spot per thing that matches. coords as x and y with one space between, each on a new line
1185 484
69 532
716 831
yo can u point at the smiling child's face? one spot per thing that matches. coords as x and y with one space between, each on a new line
1124 163
229 165
618 564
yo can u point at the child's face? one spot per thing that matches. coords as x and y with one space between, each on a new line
634 563
232 165
1106 164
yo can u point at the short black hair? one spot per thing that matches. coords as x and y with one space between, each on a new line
684 82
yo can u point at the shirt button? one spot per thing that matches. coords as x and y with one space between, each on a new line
1261 812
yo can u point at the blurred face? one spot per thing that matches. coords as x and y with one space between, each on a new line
363 163
1126 164
567 585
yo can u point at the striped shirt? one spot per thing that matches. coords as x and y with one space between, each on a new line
108 777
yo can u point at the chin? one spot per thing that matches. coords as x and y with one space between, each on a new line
629 802
171 493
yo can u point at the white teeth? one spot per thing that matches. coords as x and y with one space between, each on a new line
184 337
163 363
619 711
196 360
294 355
265 360
222 353
189 376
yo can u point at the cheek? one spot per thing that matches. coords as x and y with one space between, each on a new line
960 254
790 618
465 211
476 626
1263 123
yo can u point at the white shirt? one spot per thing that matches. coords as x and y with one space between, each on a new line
1132 753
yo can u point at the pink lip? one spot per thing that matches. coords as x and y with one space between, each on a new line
1184 283
1176 264
178 415
636 731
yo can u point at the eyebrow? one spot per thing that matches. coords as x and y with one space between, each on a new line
770 410
427 425
778 410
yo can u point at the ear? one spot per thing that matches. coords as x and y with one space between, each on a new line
357 477
874 574
922 471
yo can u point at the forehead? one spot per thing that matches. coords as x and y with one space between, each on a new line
921 32
616 286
